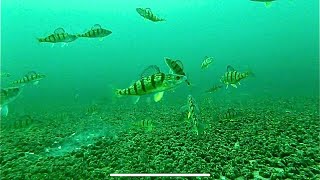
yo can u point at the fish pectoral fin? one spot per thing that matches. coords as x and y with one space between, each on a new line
64 44
137 98
4 111
239 83
189 114
36 82
158 96
268 4
101 39
233 85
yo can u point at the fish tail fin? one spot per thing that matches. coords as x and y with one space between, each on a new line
39 40
118 92
250 73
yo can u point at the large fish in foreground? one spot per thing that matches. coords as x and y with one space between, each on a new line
156 83
59 36
176 67
148 14
233 77
8 95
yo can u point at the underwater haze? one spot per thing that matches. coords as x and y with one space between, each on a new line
76 103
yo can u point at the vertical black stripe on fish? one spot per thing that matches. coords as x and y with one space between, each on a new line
60 37
174 65
153 83
90 33
129 91
236 75
230 76
25 79
143 86
135 87
64 36
162 77
143 123
52 38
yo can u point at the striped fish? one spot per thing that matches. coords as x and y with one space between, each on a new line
147 14
145 124
95 32
206 62
156 83
58 36
193 114
192 106
214 88
230 114
233 77
8 95
31 77
176 67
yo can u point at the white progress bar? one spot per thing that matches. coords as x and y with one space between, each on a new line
160 175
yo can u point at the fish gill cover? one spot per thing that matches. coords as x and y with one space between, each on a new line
87 88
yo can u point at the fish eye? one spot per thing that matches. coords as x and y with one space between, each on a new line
177 77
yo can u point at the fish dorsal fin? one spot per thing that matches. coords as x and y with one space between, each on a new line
59 31
206 57
96 26
230 68
150 70
168 61
30 73
179 63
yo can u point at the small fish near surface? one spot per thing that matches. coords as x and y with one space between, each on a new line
59 36
7 96
232 77
148 14
267 2
30 78
156 83
214 88
95 32
176 67
206 62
